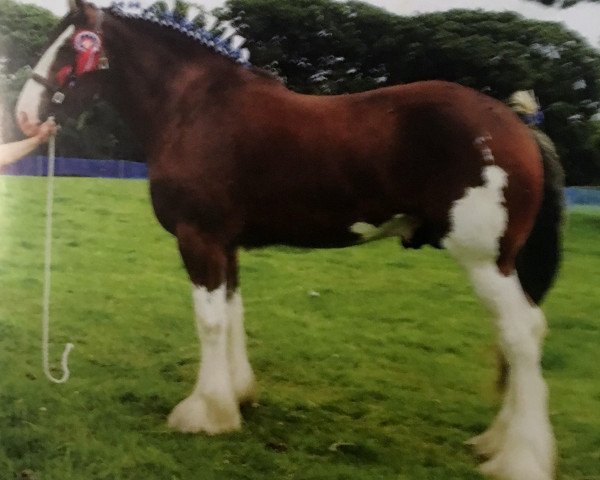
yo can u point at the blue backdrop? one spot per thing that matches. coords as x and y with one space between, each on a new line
582 196
78 167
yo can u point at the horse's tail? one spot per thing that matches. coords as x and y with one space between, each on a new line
538 261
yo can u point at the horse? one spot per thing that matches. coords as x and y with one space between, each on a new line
237 160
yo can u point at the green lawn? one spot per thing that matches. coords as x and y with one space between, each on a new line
373 362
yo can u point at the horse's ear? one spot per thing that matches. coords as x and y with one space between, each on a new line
75 5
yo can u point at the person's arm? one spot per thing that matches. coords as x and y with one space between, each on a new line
11 152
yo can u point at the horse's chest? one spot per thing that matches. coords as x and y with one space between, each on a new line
185 201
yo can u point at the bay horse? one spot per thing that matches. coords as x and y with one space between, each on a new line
235 159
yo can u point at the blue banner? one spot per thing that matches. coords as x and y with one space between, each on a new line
77 167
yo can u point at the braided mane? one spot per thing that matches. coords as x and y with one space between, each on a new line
219 37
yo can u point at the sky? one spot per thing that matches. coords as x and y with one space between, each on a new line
582 18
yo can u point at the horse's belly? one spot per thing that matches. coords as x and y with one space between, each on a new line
320 233
305 236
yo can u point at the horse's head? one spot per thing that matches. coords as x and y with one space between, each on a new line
70 71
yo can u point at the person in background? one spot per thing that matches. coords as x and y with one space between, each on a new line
38 135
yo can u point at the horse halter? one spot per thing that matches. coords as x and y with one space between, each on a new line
89 56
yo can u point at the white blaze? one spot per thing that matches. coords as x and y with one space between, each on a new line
31 95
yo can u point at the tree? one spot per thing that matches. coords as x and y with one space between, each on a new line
563 3
22 46
317 46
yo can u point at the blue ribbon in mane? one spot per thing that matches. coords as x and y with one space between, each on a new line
179 22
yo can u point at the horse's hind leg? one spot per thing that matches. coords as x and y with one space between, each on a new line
520 442
212 407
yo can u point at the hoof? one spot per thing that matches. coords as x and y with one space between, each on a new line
521 460
488 443
246 392
198 414
244 383
507 467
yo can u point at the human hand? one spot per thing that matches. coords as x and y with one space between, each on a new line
46 130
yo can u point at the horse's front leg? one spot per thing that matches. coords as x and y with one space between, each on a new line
212 407
242 376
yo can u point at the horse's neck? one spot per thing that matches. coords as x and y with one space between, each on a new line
151 79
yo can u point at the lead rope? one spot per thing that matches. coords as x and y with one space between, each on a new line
47 276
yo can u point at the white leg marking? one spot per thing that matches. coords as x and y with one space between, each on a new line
212 406
479 219
30 97
520 441
244 384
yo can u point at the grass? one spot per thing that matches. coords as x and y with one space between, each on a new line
373 362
